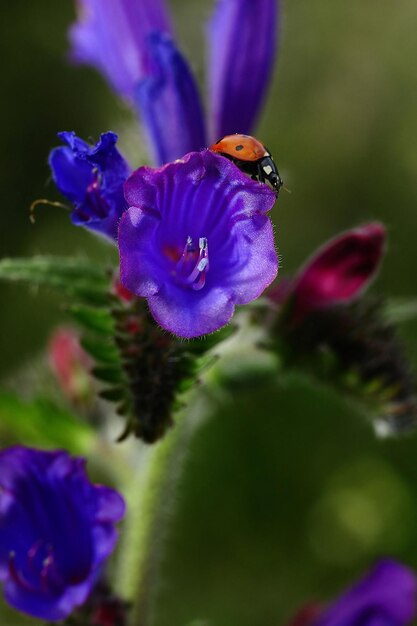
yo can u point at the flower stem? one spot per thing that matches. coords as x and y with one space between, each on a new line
151 496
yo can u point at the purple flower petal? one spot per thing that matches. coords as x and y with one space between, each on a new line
111 36
169 103
386 596
242 36
92 178
196 241
56 528
189 316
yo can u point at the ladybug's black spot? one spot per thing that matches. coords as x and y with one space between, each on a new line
239 147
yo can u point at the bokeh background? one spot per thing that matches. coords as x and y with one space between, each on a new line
287 494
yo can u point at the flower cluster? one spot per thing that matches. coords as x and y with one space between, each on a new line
132 44
196 241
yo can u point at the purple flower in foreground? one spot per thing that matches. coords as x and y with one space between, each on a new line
337 273
131 43
56 529
196 241
386 596
92 178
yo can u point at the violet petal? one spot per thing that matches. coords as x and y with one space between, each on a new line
242 37
111 36
169 103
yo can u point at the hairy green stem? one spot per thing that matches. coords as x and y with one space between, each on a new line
151 489
151 496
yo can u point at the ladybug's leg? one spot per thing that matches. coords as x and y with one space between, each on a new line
261 174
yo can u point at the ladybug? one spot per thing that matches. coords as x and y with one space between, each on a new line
250 156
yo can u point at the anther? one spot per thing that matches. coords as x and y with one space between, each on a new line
197 267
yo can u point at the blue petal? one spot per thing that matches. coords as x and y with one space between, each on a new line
71 175
111 36
242 38
169 103
58 526
92 177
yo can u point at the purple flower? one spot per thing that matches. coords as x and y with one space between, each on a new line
131 43
169 103
92 178
112 36
242 37
196 241
337 273
56 529
386 596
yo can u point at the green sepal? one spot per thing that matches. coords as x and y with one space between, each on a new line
108 374
102 350
97 320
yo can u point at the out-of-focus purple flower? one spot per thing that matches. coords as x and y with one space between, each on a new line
112 36
337 273
131 43
56 530
92 178
386 596
169 103
242 38
196 241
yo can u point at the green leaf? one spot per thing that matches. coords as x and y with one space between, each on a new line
108 374
43 423
74 277
98 320
113 394
102 351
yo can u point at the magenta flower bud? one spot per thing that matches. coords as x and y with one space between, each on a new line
337 273
341 269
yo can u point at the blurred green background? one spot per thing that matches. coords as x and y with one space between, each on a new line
287 495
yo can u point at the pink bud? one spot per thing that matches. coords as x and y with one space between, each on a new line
70 364
340 270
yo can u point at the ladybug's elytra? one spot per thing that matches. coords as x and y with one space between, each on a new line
250 156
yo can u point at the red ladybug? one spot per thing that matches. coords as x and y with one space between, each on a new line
250 156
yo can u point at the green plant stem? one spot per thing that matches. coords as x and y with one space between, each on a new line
150 497
152 487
